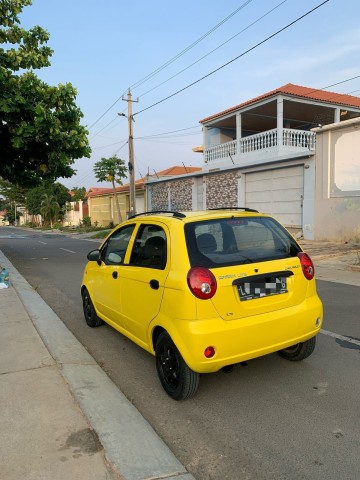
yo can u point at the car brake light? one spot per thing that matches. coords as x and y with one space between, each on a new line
307 265
202 282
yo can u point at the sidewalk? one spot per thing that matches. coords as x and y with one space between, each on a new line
335 262
61 415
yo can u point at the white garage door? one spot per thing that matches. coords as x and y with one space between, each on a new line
278 193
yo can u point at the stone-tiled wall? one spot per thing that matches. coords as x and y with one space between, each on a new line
222 190
159 196
180 195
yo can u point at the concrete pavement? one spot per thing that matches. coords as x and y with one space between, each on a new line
62 417
335 262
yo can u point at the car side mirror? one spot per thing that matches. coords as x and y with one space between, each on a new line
94 256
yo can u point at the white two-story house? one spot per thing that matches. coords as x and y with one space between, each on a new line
265 154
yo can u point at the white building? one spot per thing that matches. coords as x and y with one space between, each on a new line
268 153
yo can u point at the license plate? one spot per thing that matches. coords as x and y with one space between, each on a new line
264 287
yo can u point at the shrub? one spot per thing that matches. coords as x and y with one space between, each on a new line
86 222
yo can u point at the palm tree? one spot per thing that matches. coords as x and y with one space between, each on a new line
113 170
49 208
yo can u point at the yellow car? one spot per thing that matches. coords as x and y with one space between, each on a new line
204 290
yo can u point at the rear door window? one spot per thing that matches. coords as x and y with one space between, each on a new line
149 248
238 240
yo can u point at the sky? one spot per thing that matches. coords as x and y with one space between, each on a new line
158 48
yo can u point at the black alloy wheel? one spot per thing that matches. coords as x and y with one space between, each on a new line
177 379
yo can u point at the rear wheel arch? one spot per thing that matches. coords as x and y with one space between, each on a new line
155 335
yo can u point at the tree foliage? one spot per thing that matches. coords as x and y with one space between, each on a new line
35 197
112 170
12 193
78 194
40 130
49 208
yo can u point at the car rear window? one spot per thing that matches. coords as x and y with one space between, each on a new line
238 240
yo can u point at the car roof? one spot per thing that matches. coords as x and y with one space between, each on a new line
193 215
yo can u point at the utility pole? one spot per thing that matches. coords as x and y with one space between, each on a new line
131 164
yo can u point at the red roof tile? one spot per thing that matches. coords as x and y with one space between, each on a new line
176 170
297 91
172 171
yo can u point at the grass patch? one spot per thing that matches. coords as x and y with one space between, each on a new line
101 234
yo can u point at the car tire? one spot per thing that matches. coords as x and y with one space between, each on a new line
177 379
300 351
90 315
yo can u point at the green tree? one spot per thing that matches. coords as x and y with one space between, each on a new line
36 196
49 208
11 197
61 193
78 193
112 170
40 131
12 193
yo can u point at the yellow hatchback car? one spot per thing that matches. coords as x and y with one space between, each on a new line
204 290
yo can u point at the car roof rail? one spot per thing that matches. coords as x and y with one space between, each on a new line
174 213
246 209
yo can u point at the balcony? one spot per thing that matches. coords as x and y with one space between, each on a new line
264 145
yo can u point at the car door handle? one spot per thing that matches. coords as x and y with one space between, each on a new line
115 275
154 284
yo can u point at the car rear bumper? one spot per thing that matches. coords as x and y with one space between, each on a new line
239 340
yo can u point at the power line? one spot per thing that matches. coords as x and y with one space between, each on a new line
97 133
339 83
159 139
103 115
215 49
234 59
108 145
172 60
173 131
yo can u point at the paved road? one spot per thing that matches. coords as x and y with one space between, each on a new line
271 419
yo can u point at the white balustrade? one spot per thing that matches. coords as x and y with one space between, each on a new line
299 138
262 141
224 150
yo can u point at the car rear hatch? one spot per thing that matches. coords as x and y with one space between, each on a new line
254 260
259 288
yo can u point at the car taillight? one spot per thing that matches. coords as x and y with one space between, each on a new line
202 282
307 265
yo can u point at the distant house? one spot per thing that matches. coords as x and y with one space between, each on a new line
75 211
3 218
101 201
265 154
